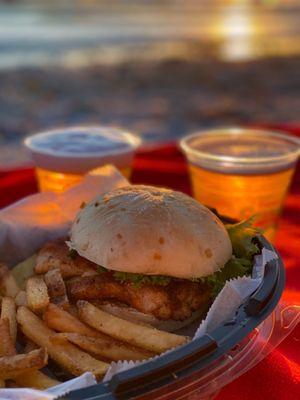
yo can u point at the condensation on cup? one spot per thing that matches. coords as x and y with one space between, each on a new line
63 156
242 173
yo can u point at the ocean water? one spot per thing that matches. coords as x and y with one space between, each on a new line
79 33
161 101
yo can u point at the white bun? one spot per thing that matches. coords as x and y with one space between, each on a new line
131 314
149 230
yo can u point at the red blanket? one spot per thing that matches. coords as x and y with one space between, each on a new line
278 376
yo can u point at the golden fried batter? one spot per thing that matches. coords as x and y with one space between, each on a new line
177 300
56 254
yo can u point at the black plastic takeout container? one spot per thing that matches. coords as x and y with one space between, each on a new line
156 378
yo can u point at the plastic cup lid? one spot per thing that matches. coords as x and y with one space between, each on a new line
79 149
241 150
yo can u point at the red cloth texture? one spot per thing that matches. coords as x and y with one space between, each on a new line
278 376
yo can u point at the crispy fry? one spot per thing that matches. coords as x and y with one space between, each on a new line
73 310
12 366
36 380
21 298
8 284
37 293
62 321
24 270
57 288
7 347
137 335
110 349
66 354
11 384
8 310
30 345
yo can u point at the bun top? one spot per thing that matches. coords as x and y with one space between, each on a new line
150 230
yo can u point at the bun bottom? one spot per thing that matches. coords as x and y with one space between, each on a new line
125 312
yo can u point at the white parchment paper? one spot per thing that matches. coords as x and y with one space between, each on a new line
29 223
223 309
80 382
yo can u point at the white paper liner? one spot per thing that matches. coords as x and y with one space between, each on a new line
84 380
27 224
24 394
233 294
223 308
80 382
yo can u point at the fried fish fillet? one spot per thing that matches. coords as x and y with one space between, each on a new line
56 254
177 300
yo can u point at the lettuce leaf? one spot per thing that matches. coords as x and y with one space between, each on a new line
234 268
245 247
136 279
241 236
140 279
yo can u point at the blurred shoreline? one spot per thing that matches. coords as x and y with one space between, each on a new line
159 68
162 100
79 33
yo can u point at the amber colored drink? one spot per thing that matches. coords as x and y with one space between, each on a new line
242 173
58 182
242 196
64 156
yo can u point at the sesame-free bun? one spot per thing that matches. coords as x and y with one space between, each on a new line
150 230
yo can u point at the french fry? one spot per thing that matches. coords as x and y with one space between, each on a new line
37 293
65 354
24 270
8 310
137 335
21 298
30 345
11 384
8 284
13 366
109 349
7 347
36 380
73 310
62 321
57 288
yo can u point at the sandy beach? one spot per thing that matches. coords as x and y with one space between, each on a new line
162 101
161 69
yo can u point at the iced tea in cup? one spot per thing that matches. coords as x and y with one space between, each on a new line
63 156
242 172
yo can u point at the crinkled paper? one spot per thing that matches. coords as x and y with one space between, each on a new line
27 224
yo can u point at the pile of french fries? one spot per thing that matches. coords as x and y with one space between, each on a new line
38 322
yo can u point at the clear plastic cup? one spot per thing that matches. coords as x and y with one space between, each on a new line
242 172
63 156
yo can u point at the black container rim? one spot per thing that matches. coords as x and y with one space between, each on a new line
201 352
